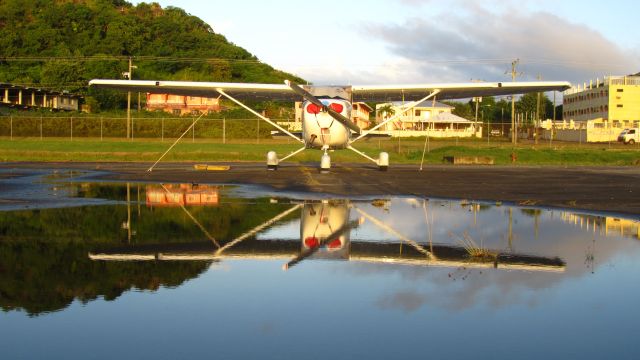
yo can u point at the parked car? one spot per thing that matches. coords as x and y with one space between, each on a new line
629 136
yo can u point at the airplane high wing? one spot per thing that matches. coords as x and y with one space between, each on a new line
371 93
326 115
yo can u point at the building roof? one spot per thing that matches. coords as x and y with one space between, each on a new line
424 104
448 118
36 90
364 104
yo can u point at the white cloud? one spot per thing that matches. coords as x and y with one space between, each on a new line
480 44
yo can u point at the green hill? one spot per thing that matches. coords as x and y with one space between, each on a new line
61 44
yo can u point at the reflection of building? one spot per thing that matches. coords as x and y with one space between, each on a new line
184 194
600 110
436 120
182 105
606 225
25 98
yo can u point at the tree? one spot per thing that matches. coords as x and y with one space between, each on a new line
386 111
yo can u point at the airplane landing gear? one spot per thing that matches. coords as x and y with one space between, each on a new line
325 162
383 161
272 160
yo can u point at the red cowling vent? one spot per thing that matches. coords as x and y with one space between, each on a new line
313 109
335 244
336 107
311 242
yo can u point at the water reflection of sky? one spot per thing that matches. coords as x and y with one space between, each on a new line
245 307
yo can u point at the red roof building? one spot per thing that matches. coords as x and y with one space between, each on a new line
182 105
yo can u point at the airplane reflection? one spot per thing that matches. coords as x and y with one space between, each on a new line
325 232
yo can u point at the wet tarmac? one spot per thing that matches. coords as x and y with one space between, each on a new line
612 189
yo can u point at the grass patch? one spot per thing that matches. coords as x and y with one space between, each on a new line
407 151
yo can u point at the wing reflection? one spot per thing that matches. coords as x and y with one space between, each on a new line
325 233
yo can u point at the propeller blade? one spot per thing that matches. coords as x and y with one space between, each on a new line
314 100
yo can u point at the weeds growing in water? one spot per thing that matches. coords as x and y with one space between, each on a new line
473 249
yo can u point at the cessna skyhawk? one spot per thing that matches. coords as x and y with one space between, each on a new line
326 120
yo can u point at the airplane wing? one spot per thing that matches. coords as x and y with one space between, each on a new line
379 93
371 93
241 91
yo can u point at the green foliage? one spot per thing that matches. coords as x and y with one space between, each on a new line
58 36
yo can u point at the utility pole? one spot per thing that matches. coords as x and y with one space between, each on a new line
537 121
514 74
129 75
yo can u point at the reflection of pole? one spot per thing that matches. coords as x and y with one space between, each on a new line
138 199
536 215
128 212
510 229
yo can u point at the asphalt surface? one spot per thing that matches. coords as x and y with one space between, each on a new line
610 189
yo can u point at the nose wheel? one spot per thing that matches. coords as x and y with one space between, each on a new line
325 162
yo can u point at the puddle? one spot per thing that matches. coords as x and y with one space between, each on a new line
190 268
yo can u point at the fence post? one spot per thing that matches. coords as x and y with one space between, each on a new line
100 128
11 128
193 130
258 133
40 127
162 129
71 127
131 128
224 135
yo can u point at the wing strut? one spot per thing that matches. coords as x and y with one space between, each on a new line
258 115
411 106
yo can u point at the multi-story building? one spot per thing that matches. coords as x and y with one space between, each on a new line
22 97
609 106
182 105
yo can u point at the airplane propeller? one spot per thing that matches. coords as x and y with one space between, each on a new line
314 100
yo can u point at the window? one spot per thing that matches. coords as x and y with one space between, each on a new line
632 131
620 90
417 112
620 106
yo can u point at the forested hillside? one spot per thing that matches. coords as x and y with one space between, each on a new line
61 44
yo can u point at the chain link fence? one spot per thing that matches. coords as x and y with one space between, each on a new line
161 128
142 128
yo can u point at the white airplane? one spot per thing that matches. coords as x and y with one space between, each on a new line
326 120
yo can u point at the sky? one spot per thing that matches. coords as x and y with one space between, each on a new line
425 41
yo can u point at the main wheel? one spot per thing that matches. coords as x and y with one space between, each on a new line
631 142
272 160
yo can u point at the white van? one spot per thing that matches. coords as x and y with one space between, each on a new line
629 136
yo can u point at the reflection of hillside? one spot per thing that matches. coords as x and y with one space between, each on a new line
43 253
605 225
41 277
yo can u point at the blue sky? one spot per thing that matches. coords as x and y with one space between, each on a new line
400 41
